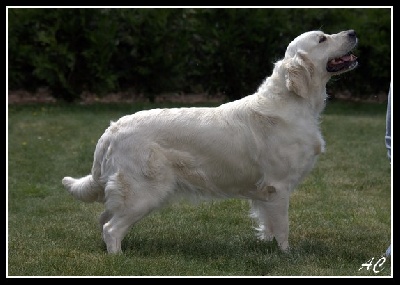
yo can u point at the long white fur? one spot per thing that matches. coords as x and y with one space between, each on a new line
258 148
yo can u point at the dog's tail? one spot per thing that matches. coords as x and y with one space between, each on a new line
84 189
91 188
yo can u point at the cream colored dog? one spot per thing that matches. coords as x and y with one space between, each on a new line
258 148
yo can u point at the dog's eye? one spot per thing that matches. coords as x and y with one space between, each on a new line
322 39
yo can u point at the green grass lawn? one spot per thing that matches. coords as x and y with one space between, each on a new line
340 216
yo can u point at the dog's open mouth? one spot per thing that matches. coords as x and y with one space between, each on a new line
343 63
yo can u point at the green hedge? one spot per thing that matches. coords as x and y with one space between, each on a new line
153 50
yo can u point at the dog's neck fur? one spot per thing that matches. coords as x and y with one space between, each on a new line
274 87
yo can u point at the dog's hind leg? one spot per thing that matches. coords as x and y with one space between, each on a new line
117 222
117 227
273 217
104 218
127 201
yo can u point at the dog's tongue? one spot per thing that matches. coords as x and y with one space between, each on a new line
339 63
347 57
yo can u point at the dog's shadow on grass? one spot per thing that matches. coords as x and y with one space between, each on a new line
248 246
196 247
246 252
197 243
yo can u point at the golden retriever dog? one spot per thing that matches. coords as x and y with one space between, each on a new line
257 148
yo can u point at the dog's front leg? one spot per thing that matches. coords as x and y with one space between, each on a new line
279 222
273 216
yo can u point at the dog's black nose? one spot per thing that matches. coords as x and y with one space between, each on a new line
352 34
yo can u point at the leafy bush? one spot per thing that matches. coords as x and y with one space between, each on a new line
152 50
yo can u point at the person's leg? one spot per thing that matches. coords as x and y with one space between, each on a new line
388 141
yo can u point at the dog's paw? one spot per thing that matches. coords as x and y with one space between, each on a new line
284 246
263 235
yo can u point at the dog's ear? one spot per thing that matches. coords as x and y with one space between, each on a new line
299 72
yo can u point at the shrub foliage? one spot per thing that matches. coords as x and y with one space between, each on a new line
156 50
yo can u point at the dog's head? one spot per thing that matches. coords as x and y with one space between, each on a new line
313 57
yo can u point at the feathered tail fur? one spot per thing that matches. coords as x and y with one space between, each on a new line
88 188
84 189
